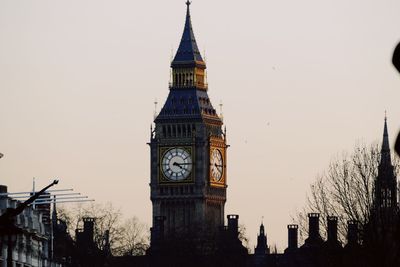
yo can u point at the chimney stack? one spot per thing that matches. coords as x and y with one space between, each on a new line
332 228
352 233
292 236
3 189
88 229
313 226
233 224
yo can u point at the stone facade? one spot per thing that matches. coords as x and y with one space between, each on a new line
30 241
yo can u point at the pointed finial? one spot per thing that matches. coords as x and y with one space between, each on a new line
262 220
385 150
54 215
155 108
188 7
385 131
221 114
172 54
33 190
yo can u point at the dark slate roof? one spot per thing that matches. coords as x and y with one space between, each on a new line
188 50
188 103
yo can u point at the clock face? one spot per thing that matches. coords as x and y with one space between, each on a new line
176 164
217 165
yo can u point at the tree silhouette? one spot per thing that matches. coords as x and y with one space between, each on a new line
128 237
345 189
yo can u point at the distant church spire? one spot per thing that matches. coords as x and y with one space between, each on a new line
385 183
385 150
262 245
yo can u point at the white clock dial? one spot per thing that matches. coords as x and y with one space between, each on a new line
217 165
176 164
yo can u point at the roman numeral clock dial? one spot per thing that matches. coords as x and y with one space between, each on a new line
176 164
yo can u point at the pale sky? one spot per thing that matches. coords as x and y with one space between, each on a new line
300 82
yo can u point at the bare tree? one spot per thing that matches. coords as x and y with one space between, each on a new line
107 218
345 190
134 240
243 237
126 237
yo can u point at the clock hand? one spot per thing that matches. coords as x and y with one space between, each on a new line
216 165
180 164
177 164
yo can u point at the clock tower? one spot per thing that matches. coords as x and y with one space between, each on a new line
188 151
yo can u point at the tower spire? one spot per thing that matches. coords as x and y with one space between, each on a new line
385 150
188 51
385 183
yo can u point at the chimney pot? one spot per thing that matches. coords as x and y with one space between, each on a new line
3 189
332 228
352 232
292 236
233 224
313 225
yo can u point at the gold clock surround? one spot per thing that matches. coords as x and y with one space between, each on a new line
222 181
